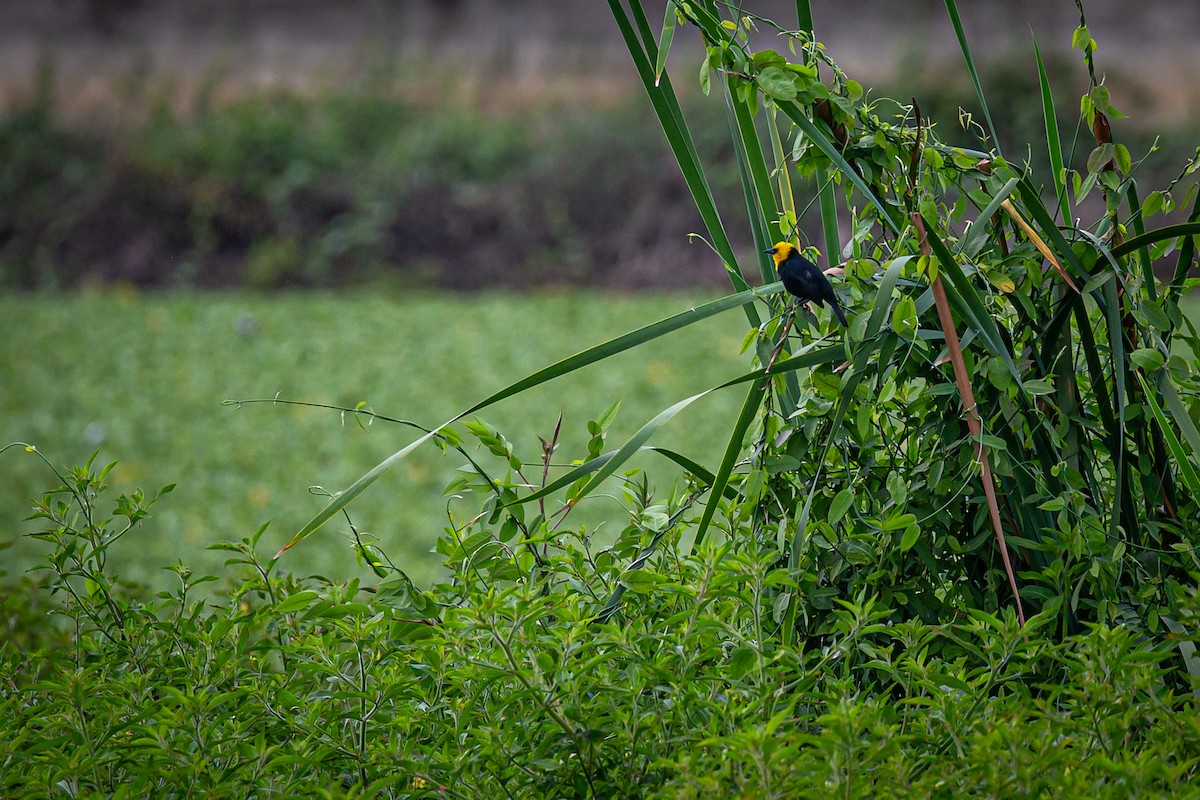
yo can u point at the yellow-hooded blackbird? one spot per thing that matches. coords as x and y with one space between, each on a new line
803 279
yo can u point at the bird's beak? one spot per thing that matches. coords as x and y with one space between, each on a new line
769 250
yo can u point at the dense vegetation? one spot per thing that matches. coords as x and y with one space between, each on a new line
948 550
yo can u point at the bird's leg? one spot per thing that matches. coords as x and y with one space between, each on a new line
787 326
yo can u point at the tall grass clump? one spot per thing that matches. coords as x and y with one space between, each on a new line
1008 420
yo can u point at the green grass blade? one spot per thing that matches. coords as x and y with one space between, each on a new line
693 468
1186 468
1053 141
966 300
1179 411
1053 237
733 449
973 241
632 446
670 117
756 181
1157 235
664 42
952 10
567 365
827 201
804 18
1187 252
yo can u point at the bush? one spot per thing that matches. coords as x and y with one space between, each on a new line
511 679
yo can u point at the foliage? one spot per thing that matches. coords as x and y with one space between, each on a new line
337 188
828 611
870 469
493 683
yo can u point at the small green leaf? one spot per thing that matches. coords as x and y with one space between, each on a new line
1100 157
898 521
1038 387
1152 205
608 415
741 662
777 84
664 42
897 488
911 534
768 58
640 582
840 505
1081 39
904 317
1001 281
1147 358
295 602
1123 159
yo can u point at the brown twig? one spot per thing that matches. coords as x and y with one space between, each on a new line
972 414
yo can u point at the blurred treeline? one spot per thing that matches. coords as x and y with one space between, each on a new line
429 143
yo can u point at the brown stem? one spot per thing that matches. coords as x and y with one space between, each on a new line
972 414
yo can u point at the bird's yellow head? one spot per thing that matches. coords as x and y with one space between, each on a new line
781 252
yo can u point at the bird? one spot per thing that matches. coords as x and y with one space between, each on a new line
803 279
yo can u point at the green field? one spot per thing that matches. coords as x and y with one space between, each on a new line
142 378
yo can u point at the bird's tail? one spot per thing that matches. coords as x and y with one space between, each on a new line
837 309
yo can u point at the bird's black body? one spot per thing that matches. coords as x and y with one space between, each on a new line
803 279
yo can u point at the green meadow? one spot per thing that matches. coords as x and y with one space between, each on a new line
144 378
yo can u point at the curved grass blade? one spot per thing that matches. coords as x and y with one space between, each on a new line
952 10
693 468
1186 467
973 241
1187 252
666 107
626 451
664 42
1175 405
590 356
1053 141
732 449
1156 235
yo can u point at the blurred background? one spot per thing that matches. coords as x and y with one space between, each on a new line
334 201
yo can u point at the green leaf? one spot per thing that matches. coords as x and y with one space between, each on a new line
777 84
1147 358
1081 39
840 505
1123 159
742 661
904 317
295 602
1152 205
664 42
639 581
911 534
1100 157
